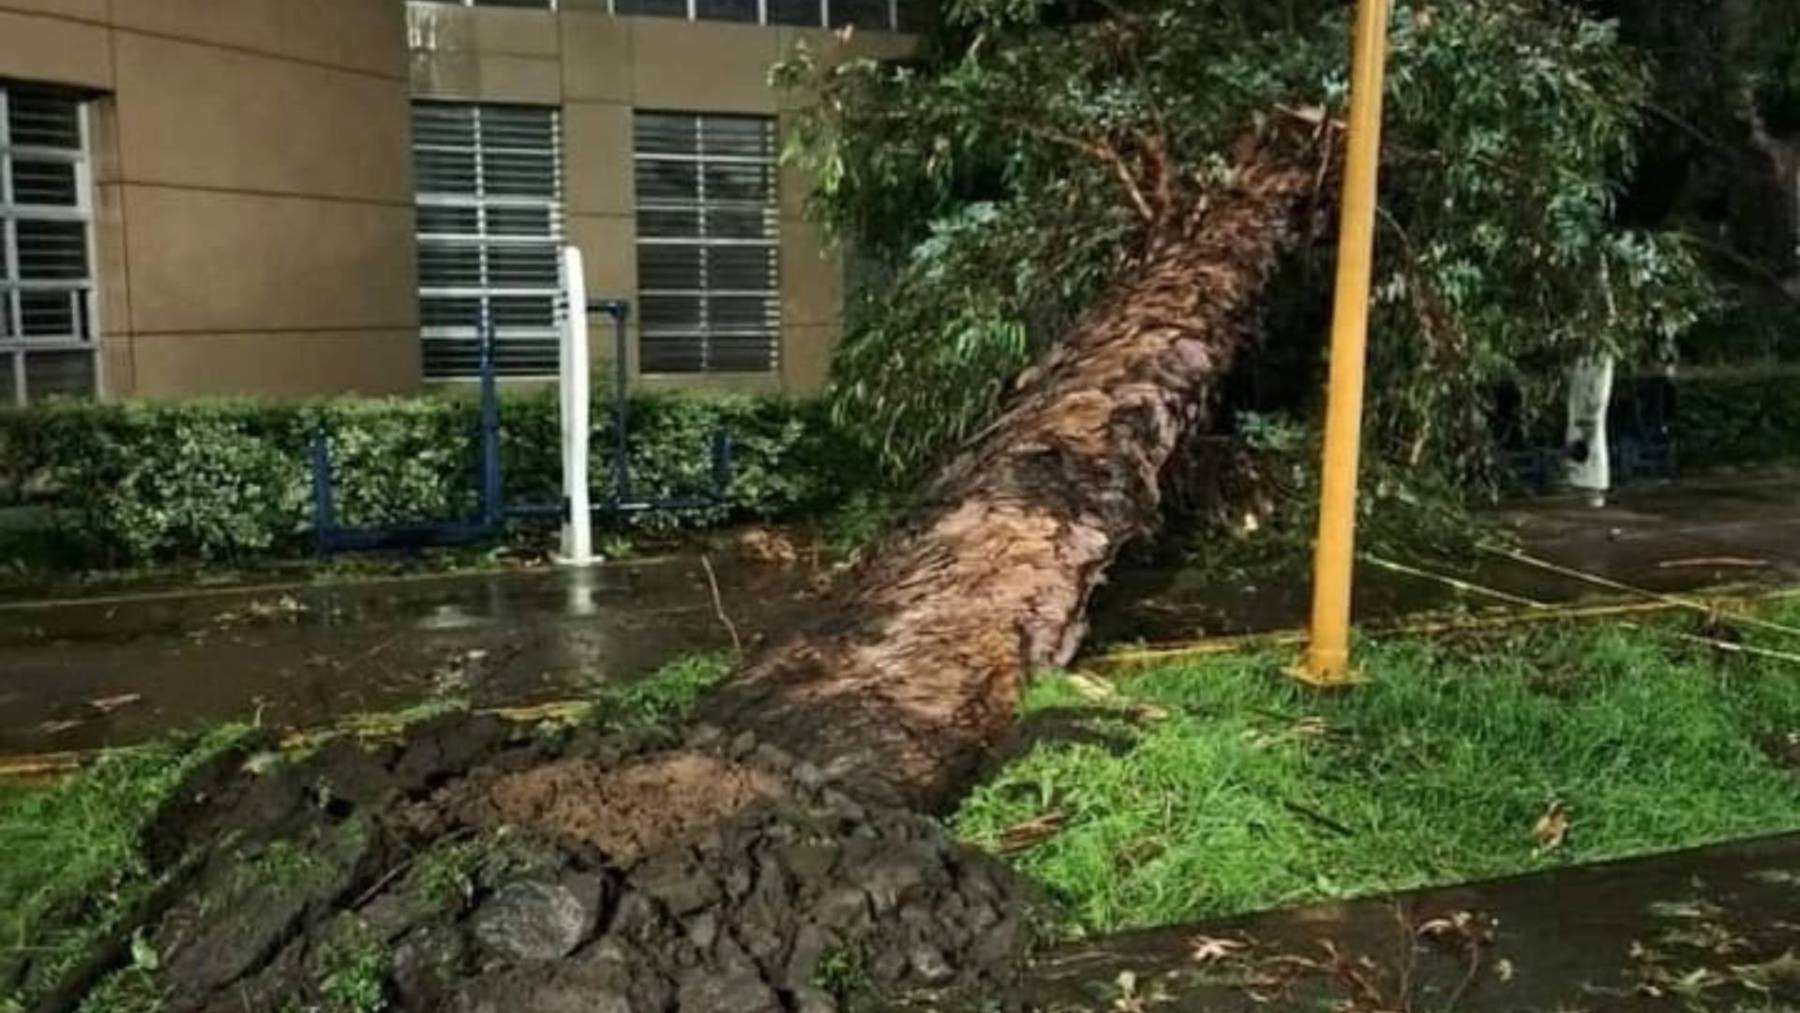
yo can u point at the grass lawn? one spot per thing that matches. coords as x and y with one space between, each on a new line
1230 789
72 853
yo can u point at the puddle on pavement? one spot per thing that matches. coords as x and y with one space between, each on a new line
1715 929
1662 539
86 675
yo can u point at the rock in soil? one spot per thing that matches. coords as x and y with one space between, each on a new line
474 869
531 921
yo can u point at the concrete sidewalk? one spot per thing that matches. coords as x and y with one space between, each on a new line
1711 929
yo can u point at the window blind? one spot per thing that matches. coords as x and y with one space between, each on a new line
490 225
708 243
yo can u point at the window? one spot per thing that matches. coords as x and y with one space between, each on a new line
489 186
884 15
542 5
707 243
47 303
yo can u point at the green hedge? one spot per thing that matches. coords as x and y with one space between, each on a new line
216 479
1743 420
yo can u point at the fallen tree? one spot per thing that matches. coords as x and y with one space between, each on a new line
917 669
1129 187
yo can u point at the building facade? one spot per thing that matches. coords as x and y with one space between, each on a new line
298 197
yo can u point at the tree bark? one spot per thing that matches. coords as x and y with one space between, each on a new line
917 665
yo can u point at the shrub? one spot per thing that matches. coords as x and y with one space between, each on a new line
230 479
1738 419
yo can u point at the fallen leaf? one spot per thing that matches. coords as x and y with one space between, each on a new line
1314 115
768 547
1778 877
1705 935
1552 828
1460 930
1688 909
1092 689
143 955
263 762
1697 981
1766 975
1206 949
1713 561
1023 836
1129 1000
1503 969
108 704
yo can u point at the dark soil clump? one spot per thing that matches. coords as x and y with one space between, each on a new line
481 867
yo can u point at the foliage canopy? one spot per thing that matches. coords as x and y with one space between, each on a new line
1002 182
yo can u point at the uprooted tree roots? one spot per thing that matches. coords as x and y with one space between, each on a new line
779 861
485 867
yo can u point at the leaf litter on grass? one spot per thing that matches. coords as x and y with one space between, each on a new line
1462 758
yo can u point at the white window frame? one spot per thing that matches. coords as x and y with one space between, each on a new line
762 12
83 292
484 241
762 15
771 241
550 5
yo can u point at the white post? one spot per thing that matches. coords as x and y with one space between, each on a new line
575 372
1584 445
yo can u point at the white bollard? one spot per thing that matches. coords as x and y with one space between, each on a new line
1584 444
576 397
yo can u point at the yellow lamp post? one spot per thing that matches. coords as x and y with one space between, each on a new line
1328 655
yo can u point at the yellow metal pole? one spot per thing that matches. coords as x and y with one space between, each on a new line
1328 654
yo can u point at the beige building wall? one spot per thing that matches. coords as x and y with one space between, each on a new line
254 224
598 68
253 206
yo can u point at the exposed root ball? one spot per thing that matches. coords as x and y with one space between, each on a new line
465 871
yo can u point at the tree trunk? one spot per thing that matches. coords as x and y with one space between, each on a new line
918 664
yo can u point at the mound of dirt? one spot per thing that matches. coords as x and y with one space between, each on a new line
627 811
480 868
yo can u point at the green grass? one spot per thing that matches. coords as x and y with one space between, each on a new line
16 792
73 853
1231 779
665 696
445 875
357 968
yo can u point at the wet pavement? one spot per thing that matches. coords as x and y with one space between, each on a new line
83 674
1710 929
110 671
1668 538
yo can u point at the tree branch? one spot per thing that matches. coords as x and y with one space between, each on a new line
1775 282
1161 168
1101 151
